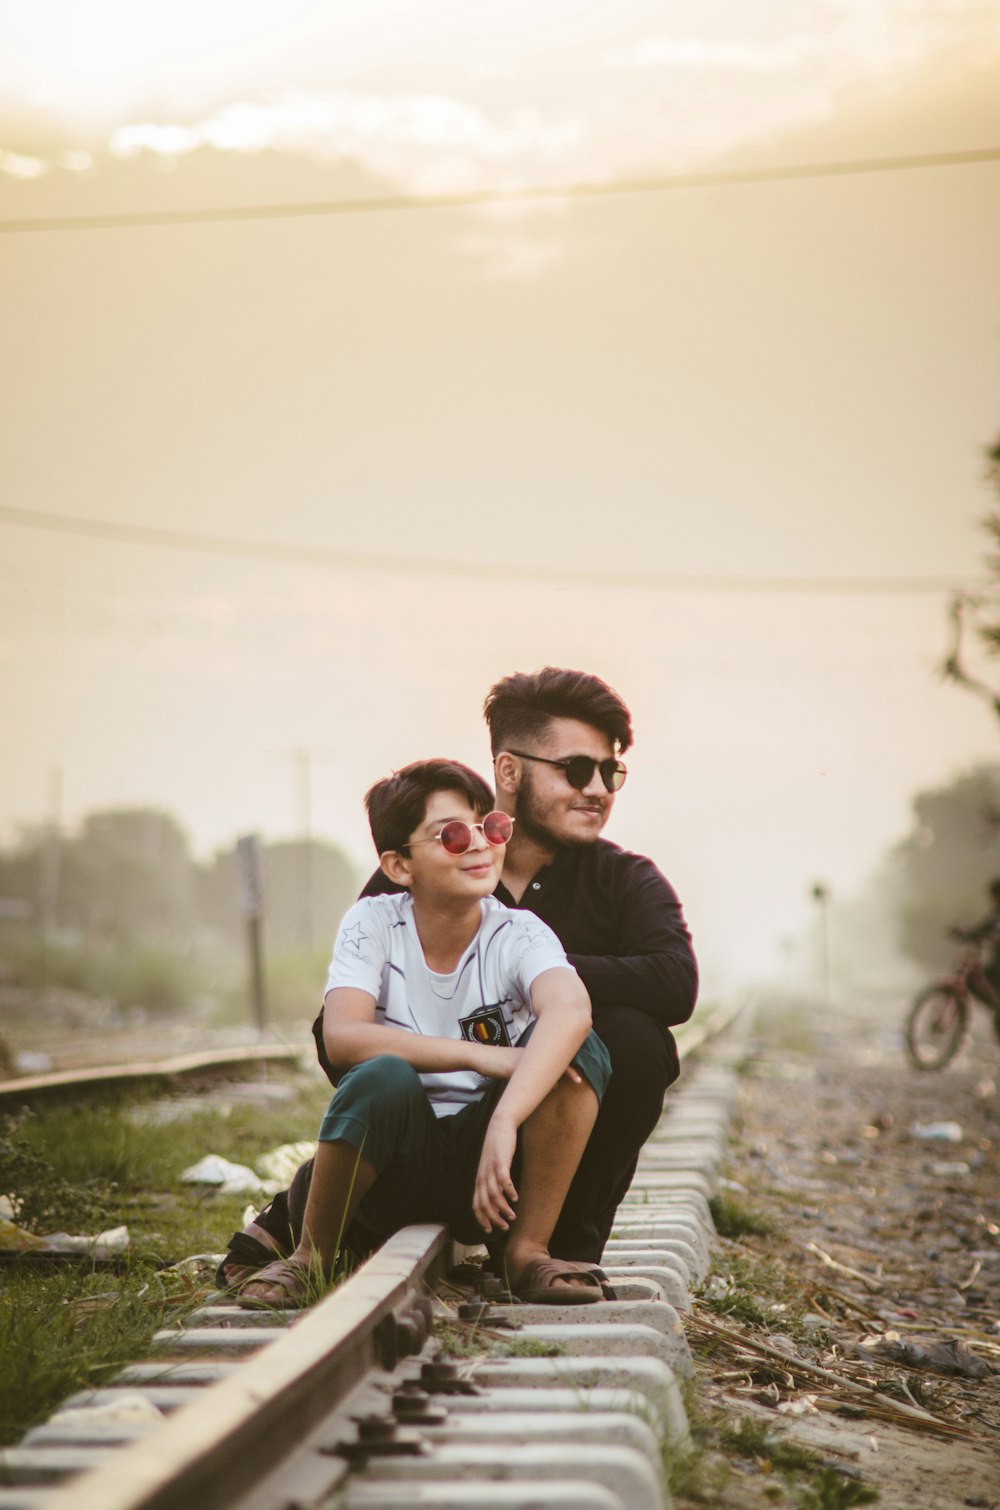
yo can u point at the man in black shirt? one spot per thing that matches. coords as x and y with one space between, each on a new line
557 738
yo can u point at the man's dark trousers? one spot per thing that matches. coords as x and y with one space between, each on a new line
644 1063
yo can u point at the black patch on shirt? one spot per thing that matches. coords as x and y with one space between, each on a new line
486 1026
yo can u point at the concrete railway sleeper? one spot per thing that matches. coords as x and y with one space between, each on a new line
353 1404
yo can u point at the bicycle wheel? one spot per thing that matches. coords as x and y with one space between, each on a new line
934 1027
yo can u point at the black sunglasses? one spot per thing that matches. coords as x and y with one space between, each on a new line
579 770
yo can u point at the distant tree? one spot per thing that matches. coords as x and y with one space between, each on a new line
21 873
941 869
978 614
128 875
125 875
308 886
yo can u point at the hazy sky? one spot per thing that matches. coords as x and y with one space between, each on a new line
775 381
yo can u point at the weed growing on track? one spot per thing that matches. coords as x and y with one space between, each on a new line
83 1169
457 1340
460 1340
531 1347
734 1218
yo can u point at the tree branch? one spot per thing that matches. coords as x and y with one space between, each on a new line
953 668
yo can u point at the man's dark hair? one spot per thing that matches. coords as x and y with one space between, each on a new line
396 806
519 708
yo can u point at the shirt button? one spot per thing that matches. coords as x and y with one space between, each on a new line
536 885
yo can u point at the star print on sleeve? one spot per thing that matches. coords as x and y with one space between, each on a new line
536 933
536 949
352 939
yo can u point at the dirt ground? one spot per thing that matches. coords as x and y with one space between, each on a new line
883 1268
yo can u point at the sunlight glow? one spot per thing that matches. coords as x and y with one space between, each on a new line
18 166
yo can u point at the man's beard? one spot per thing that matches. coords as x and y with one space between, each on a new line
531 821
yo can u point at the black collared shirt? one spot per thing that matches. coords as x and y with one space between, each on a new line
620 922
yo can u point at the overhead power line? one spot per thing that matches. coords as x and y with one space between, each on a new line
538 193
308 555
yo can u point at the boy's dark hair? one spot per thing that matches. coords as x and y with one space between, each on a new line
520 707
396 806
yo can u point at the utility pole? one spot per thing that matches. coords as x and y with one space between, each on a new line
48 896
249 857
821 896
303 763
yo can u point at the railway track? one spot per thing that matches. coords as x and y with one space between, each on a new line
76 1085
408 1385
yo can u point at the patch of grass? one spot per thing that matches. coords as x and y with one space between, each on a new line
752 1438
758 1292
694 1474
531 1347
82 1169
733 1218
139 1157
830 1490
702 1472
747 1437
694 1471
42 1197
62 1330
458 1339
745 1287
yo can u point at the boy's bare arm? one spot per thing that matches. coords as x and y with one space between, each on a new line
561 1005
351 1035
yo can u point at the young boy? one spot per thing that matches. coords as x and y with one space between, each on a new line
469 1075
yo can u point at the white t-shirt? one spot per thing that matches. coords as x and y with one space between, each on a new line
485 999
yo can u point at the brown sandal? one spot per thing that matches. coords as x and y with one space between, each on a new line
291 1284
229 1276
544 1282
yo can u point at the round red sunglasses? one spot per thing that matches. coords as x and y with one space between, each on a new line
456 837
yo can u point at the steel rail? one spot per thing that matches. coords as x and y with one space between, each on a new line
209 1456
99 1079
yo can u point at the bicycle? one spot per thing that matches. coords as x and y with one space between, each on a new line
938 1019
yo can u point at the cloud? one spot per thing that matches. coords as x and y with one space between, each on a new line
695 52
418 133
